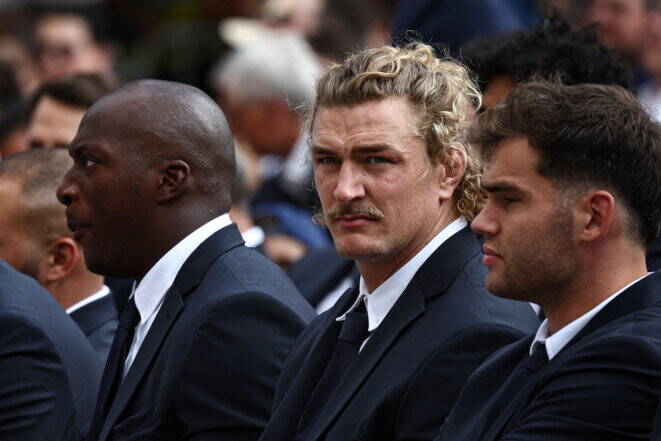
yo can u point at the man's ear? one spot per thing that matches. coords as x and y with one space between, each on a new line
450 172
595 215
58 260
173 176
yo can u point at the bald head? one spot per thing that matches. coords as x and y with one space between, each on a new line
165 121
153 161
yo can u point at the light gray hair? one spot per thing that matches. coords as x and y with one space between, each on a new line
277 64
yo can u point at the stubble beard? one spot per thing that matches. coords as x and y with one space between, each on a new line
540 271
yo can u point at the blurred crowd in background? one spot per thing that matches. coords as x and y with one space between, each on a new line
259 60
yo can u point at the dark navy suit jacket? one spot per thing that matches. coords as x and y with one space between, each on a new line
49 373
604 385
208 366
320 271
98 321
654 256
412 368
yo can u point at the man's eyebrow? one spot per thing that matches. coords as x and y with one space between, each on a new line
373 148
318 150
498 187
358 150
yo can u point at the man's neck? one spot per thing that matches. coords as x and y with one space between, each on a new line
72 290
587 293
377 270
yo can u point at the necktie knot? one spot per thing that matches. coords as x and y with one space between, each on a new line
537 359
354 329
130 316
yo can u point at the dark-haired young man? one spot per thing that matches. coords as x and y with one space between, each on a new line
57 107
550 48
574 181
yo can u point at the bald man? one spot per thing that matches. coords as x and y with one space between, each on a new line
37 242
201 342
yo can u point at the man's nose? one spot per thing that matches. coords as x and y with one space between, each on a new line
67 192
349 184
484 224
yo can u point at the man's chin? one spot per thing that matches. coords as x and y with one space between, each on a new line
358 251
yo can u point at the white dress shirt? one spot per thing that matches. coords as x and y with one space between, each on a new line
554 343
151 290
379 302
87 300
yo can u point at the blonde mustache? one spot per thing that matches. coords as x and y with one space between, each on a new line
350 210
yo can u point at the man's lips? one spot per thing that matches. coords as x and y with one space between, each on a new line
77 228
353 220
490 256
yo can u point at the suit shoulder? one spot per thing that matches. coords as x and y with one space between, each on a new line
469 300
242 270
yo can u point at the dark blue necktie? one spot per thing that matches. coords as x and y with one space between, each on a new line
353 333
114 370
517 381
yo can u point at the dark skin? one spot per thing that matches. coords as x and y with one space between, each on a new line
153 161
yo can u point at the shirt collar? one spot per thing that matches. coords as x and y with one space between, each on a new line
253 236
149 293
379 302
554 343
104 291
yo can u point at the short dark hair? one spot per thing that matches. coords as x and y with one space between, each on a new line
550 48
586 135
39 172
78 90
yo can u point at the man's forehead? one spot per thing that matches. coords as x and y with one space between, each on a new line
390 116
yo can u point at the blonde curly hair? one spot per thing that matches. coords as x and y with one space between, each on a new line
440 89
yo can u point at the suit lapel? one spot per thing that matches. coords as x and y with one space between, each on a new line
432 279
641 295
407 309
518 352
172 306
297 396
187 280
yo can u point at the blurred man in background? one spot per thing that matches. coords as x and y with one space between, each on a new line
35 240
65 44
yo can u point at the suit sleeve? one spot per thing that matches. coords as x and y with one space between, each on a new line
227 383
35 396
608 391
434 389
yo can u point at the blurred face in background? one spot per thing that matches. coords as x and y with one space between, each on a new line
623 25
652 57
66 45
53 123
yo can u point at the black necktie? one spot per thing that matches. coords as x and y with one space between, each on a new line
114 370
517 381
353 333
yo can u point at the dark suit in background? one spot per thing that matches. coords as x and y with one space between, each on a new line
49 373
209 364
412 368
98 321
603 385
320 271
654 256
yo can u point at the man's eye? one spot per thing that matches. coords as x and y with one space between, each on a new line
377 160
509 200
87 162
326 160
